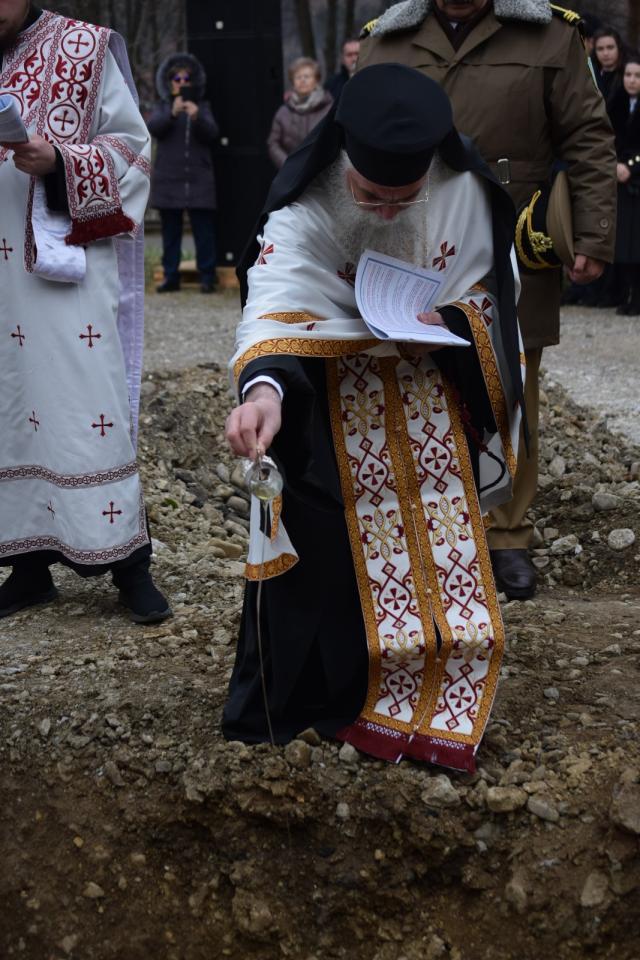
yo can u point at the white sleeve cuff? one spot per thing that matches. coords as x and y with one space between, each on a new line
262 379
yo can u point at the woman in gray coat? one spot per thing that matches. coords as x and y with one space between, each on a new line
305 106
183 177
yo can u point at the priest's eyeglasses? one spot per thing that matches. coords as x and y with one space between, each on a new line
398 204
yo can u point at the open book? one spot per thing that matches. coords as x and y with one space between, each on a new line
390 294
12 129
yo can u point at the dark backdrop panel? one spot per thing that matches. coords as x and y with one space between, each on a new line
239 43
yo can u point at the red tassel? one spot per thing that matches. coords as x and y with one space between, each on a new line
99 228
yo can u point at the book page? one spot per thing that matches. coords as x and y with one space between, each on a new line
390 294
12 129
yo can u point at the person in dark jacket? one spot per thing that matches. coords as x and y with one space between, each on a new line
349 61
305 106
608 53
624 111
183 177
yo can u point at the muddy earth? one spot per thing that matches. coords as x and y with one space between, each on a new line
131 831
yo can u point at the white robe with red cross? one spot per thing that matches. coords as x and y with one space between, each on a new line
68 474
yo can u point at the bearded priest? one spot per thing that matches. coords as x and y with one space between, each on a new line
74 180
377 622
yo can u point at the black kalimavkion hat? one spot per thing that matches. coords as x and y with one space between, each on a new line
393 119
544 231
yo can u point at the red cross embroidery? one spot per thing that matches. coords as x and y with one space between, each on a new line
348 274
111 513
91 336
484 309
265 251
34 420
102 426
19 335
79 43
64 119
445 252
5 249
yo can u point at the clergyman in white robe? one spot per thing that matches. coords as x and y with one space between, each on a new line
71 311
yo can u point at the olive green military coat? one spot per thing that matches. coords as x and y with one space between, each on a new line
522 90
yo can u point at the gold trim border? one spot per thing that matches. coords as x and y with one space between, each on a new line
300 347
270 568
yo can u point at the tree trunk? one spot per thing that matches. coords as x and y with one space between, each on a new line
349 19
305 28
331 37
634 22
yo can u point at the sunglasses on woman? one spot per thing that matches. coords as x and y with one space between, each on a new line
177 77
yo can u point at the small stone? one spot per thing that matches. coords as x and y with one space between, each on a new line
602 500
595 890
348 754
68 944
621 539
565 545
163 766
138 859
310 736
625 808
44 727
558 467
93 891
238 505
550 534
505 799
440 792
113 774
516 895
552 693
298 754
543 809
342 811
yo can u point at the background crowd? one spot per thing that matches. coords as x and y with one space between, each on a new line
617 71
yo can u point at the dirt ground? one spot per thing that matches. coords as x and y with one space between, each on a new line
130 830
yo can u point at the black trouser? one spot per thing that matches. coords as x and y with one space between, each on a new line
36 565
631 282
204 235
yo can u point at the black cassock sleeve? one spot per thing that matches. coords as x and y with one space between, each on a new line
461 366
55 186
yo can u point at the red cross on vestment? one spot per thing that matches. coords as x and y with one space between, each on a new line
5 249
51 510
484 309
445 252
79 43
265 251
19 335
102 426
111 513
90 336
34 420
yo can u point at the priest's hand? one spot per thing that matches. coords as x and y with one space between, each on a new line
432 318
586 269
36 158
254 424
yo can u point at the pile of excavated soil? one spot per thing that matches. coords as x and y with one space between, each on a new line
131 830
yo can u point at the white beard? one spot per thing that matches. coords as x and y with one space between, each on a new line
356 229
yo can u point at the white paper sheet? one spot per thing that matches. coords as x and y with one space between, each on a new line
391 293
12 129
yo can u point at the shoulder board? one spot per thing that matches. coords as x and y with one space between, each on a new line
569 15
368 27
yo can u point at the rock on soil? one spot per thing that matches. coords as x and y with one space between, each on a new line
130 829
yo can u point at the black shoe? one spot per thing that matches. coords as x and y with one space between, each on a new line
169 286
21 590
140 595
514 573
208 287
